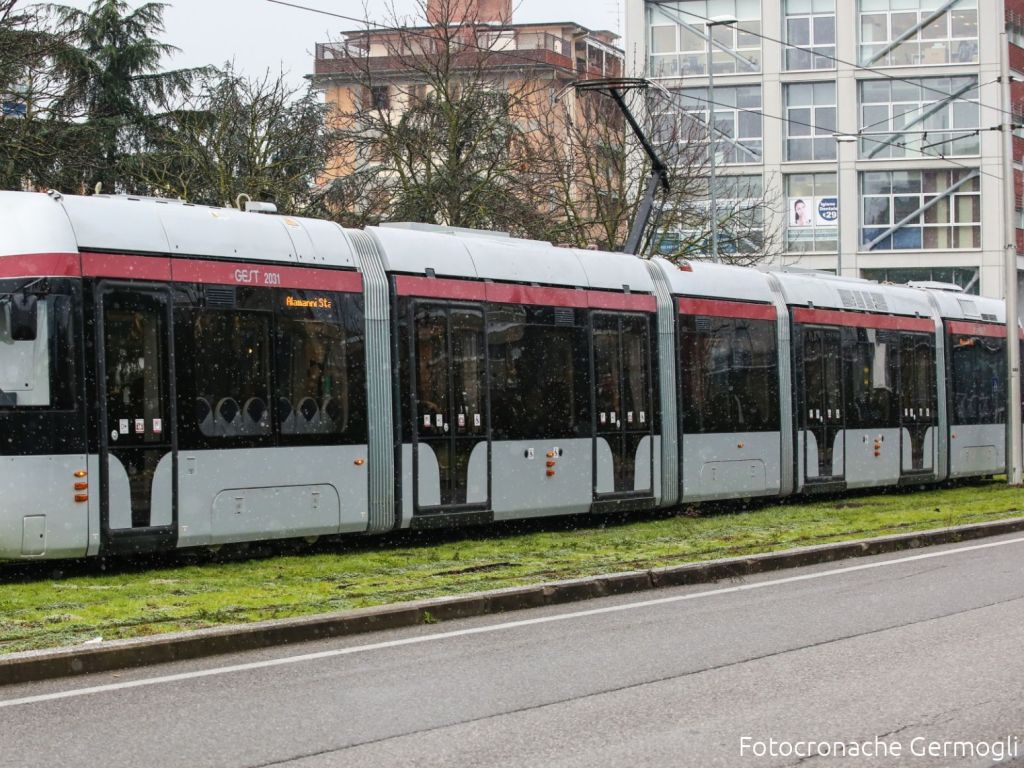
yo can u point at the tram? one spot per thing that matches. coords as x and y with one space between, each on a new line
175 375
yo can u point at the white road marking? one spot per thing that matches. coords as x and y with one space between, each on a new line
490 628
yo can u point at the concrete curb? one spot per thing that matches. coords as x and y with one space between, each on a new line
120 654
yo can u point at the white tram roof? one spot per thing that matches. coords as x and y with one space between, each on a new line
67 223
966 306
824 291
32 223
474 254
716 281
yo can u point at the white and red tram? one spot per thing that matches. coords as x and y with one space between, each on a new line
175 375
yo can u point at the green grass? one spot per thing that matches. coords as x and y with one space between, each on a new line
39 609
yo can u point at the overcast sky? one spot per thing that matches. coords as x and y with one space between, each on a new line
259 35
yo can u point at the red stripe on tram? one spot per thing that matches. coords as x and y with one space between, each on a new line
165 269
266 276
41 265
719 308
967 328
126 267
512 293
863 320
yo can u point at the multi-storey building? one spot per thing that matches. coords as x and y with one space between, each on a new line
873 122
540 59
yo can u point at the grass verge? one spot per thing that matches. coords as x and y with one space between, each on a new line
43 608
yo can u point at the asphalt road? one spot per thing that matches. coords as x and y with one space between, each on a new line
914 649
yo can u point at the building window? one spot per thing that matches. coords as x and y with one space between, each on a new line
920 210
952 38
930 117
812 213
738 121
810 121
679 38
416 94
380 97
965 277
810 34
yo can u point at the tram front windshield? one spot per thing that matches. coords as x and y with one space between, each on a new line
37 360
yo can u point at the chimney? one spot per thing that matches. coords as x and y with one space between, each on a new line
458 11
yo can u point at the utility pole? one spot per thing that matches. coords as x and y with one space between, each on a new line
712 144
1014 447
841 138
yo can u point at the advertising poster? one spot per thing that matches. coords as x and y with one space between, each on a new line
813 211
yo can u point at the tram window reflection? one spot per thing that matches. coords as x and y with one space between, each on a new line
539 373
729 375
979 379
870 358
232 373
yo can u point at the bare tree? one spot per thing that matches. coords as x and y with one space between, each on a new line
597 172
431 122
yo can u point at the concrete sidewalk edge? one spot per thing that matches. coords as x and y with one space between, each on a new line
33 666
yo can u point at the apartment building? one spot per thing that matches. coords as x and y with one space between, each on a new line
541 59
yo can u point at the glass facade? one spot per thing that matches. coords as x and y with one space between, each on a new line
925 117
920 210
810 31
678 38
810 121
739 124
900 33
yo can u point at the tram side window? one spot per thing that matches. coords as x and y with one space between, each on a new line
37 352
232 373
979 380
871 374
321 385
539 372
729 375
917 378
636 361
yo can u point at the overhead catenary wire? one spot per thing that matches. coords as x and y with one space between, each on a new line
901 145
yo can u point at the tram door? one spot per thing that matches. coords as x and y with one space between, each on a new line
449 368
137 444
822 412
918 402
622 399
